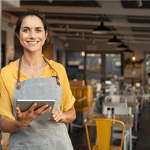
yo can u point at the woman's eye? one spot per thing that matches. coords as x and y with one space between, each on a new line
25 30
38 30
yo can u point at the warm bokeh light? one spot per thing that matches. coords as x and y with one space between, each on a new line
133 58
82 53
138 84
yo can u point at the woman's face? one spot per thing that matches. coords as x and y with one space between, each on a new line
32 34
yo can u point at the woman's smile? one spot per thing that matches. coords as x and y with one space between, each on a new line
33 43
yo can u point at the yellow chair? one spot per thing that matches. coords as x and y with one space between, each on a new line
84 103
84 98
103 127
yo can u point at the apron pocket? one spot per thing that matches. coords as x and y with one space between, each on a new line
29 147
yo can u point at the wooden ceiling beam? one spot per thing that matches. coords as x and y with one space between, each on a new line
103 36
77 22
124 32
9 17
84 10
105 40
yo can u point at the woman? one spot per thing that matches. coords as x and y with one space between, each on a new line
34 77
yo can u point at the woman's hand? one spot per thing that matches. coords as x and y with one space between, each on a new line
58 115
25 118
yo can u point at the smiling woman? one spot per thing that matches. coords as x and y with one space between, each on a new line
34 77
32 35
40 16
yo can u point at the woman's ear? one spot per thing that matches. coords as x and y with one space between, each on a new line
46 34
17 36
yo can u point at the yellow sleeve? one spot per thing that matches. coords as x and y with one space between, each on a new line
67 99
5 101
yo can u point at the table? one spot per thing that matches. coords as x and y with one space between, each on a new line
134 106
127 120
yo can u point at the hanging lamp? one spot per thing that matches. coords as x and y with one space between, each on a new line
128 51
133 58
101 29
114 40
122 47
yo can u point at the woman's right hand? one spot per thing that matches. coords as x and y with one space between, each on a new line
25 118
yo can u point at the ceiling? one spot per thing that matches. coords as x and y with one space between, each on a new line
75 20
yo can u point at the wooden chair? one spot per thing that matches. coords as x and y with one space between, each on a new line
103 127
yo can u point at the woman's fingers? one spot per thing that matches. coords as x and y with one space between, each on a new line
61 118
55 112
58 115
47 110
18 111
31 109
28 116
42 110
54 109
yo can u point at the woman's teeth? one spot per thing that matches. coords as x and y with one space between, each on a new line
33 42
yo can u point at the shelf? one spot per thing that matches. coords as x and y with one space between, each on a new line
135 66
73 63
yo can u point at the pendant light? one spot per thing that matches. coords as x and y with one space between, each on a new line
114 40
101 29
122 47
133 58
128 51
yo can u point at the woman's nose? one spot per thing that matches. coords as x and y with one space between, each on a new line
32 34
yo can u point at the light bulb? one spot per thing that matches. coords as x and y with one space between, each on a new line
138 84
133 58
82 53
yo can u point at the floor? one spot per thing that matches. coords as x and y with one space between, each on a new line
79 140
144 130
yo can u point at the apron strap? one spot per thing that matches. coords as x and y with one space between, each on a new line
19 68
57 77
18 78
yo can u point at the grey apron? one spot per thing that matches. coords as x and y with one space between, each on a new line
40 134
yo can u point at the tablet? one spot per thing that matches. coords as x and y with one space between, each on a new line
25 104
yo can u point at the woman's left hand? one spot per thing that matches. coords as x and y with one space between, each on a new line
58 115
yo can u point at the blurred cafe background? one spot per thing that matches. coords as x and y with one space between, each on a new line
104 46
